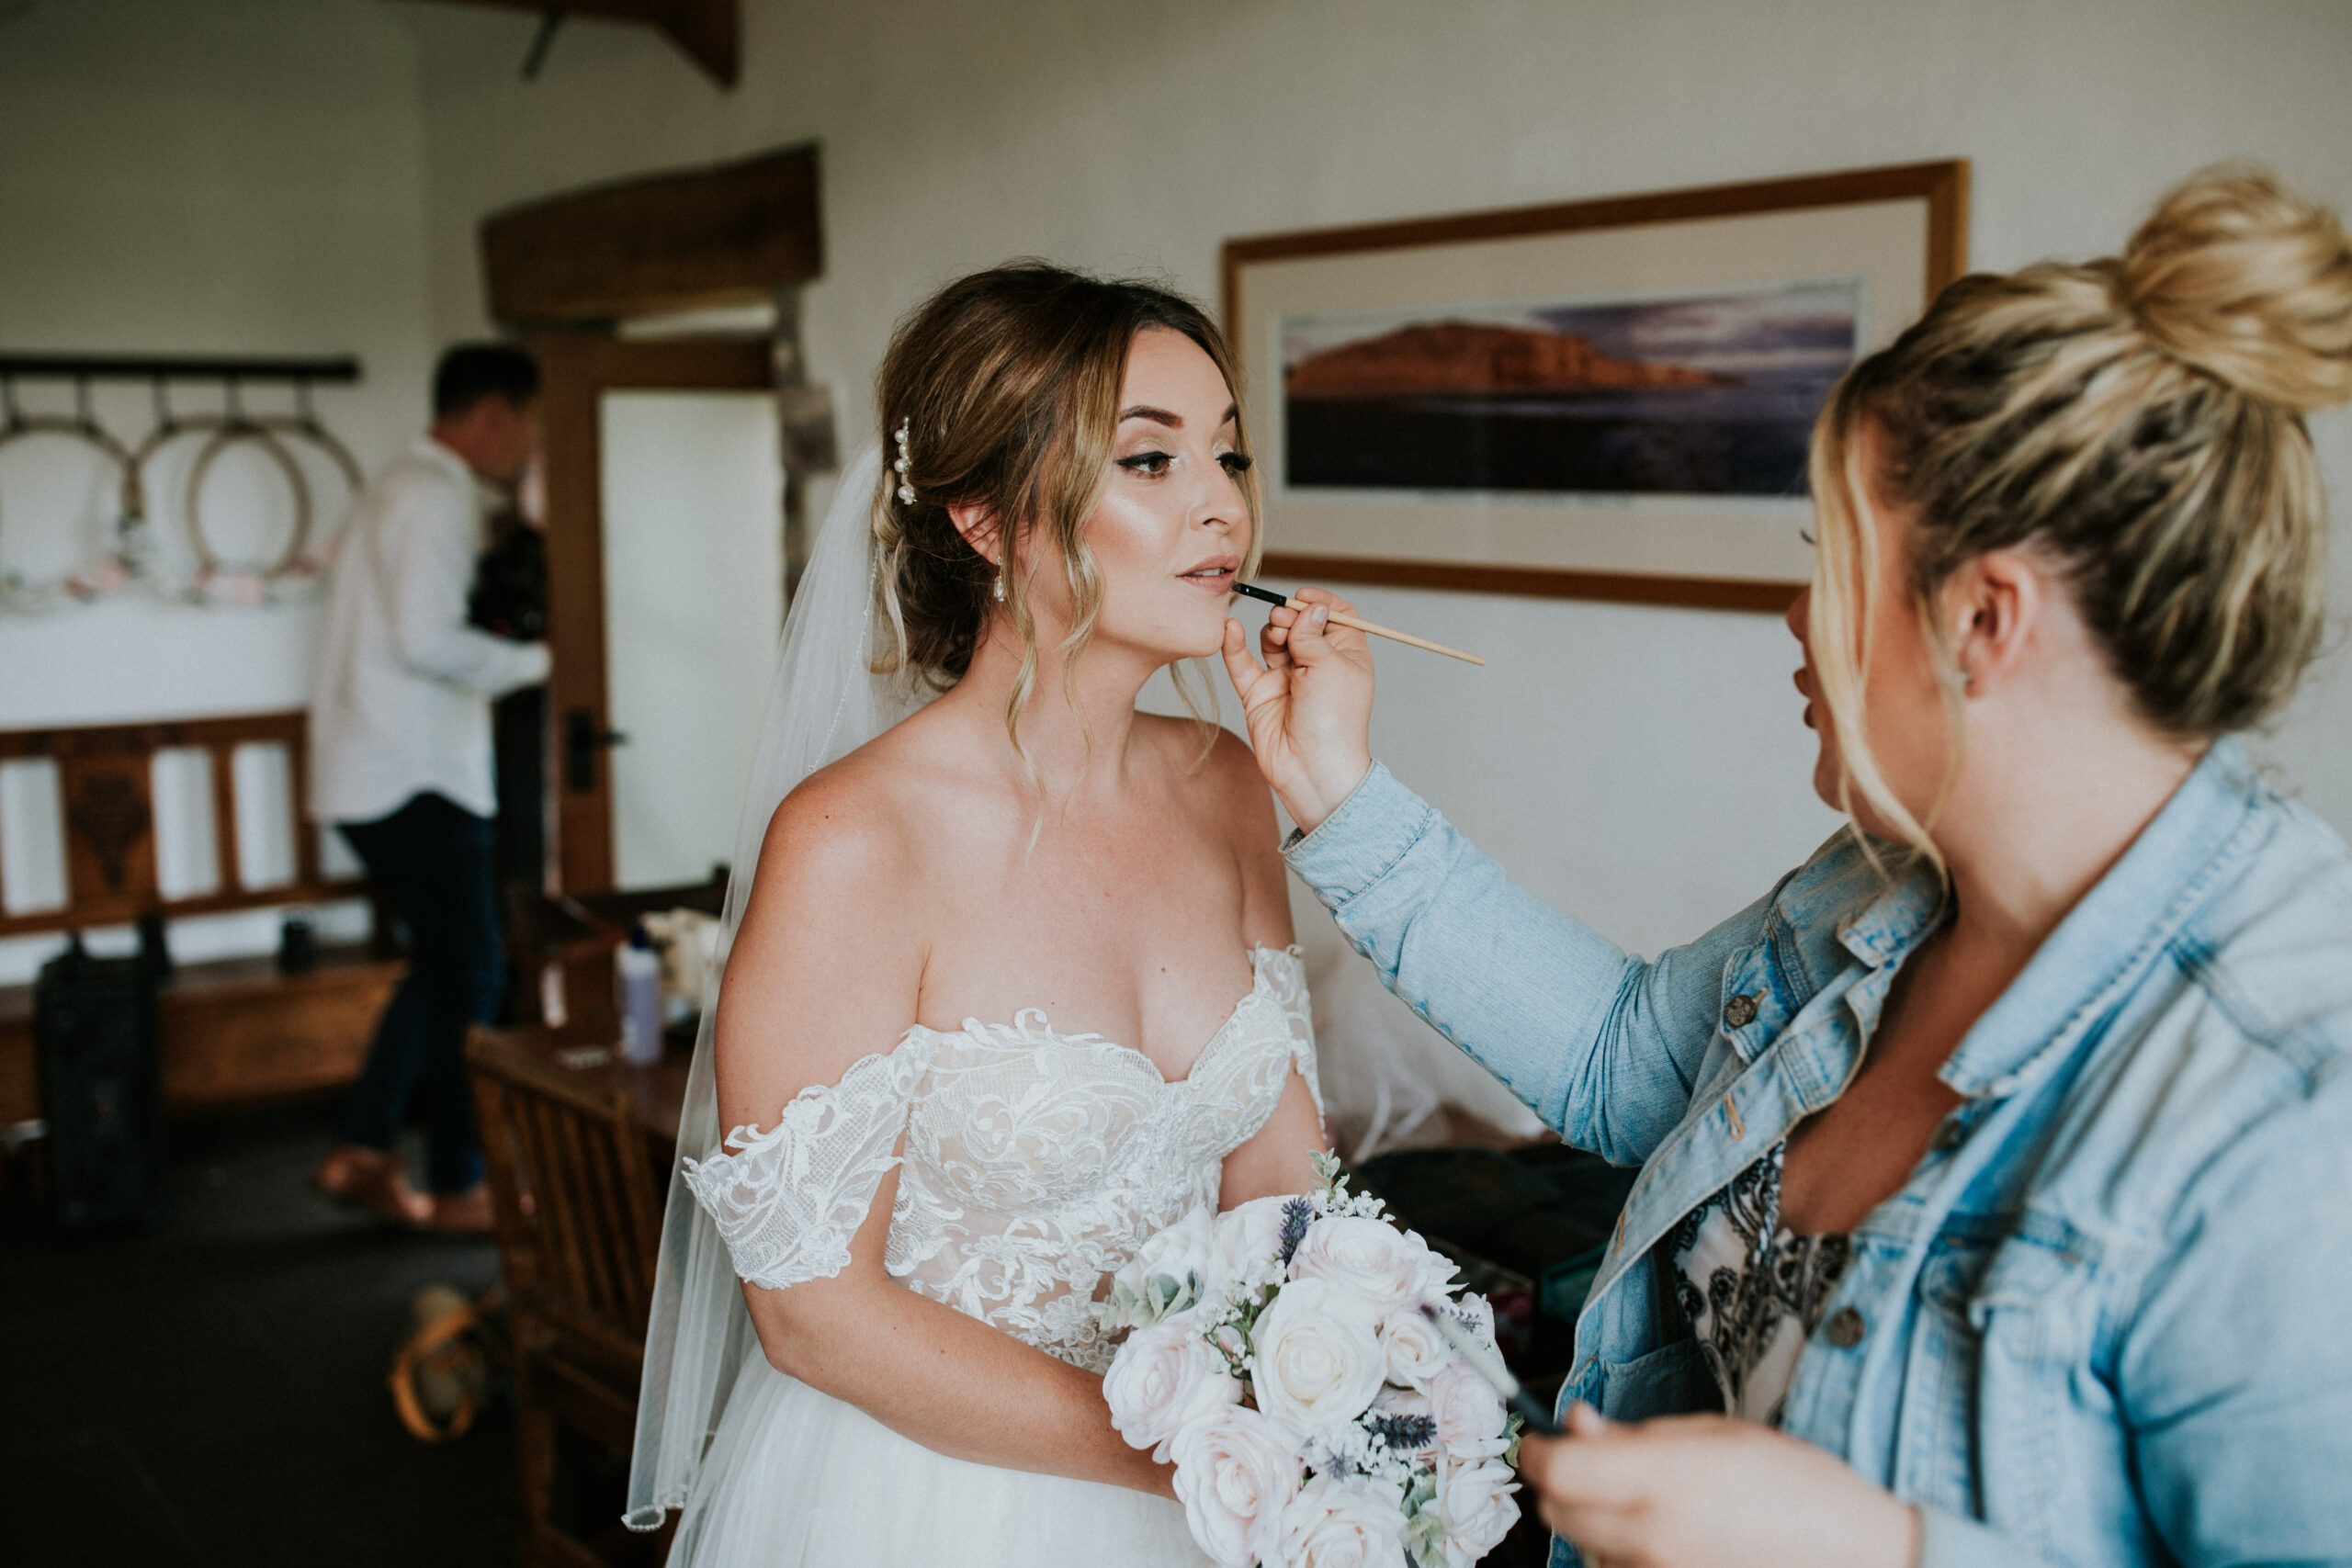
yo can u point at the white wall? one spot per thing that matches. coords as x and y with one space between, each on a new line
203 176
1644 767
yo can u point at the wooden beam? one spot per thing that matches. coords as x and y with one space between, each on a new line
709 31
726 235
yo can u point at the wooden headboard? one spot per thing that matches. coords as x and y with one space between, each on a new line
107 820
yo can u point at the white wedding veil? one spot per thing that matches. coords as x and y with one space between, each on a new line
825 702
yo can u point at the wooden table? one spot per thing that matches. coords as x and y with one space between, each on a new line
658 1092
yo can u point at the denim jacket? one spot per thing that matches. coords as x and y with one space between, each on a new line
2107 1320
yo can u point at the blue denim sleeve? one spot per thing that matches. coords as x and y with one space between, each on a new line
2234 1371
1604 1047
1948 1541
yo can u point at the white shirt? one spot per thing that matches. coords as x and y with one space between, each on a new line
401 701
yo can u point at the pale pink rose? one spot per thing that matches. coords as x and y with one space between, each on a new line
1183 1253
1470 1414
1371 1256
1249 1239
1162 1378
1334 1523
1473 1507
1415 1351
1236 1471
1316 1355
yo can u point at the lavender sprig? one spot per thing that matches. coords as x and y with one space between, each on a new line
1296 1215
1402 1433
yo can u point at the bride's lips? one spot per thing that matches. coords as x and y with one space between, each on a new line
1215 574
1805 687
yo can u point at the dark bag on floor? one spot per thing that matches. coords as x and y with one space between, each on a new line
94 1035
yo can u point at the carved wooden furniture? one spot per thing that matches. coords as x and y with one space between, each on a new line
231 1031
579 1205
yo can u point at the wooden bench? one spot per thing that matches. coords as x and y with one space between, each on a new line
234 1029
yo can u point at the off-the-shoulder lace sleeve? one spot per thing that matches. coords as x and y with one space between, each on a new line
787 1201
1286 978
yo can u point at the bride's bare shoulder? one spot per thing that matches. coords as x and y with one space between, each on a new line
852 825
834 936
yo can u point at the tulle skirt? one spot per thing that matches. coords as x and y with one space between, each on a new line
797 1479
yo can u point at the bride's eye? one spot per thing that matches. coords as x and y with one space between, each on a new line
1152 465
1236 463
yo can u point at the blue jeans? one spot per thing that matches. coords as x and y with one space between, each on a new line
431 861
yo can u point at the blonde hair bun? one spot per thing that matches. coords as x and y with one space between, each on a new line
2238 276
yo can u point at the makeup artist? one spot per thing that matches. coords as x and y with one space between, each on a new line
1996 1200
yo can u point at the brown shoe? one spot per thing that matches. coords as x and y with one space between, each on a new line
373 1181
465 1213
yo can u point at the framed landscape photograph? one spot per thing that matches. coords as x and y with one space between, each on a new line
1605 399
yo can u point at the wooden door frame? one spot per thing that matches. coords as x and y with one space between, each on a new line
577 369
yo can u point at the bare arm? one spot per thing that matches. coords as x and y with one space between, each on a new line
1277 1156
825 971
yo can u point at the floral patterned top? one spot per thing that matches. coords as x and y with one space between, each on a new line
1752 1290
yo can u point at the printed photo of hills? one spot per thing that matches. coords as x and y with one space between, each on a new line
1710 395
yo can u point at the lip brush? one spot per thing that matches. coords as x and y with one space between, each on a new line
1490 1365
1251 591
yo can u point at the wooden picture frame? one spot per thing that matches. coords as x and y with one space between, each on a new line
1436 403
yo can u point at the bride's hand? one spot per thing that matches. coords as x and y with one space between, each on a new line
1308 706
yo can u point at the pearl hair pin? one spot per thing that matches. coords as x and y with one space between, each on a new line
906 491
1251 591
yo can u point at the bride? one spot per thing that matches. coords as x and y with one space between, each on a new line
1011 988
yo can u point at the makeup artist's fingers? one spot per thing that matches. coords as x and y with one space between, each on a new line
1245 671
1319 747
1273 643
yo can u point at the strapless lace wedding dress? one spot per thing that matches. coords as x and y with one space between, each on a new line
1033 1163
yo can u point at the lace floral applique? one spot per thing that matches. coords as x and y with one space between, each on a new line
1035 1163
787 1200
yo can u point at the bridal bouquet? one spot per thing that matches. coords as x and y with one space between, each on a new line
1280 1357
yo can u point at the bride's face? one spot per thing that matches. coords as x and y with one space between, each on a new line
1173 527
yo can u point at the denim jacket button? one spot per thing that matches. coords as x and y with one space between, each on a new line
1846 1328
1740 1011
1949 1136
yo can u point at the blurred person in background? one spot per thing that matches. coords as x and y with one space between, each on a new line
401 766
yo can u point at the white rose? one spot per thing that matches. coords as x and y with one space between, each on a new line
1476 1310
1473 1508
1337 1523
1182 1255
1316 1355
1163 1378
1371 1256
1248 1242
1235 1472
1469 1412
1415 1351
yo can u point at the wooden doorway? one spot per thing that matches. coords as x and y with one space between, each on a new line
582 373
566 270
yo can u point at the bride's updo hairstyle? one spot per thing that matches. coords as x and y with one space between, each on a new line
2138 419
1007 386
